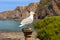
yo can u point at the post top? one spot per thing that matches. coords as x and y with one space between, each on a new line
27 30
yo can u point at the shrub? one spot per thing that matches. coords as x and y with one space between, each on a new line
48 28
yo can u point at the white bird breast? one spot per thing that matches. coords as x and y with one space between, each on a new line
27 21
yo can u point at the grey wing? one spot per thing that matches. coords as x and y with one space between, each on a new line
27 21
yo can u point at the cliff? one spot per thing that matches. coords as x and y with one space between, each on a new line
48 8
19 13
43 9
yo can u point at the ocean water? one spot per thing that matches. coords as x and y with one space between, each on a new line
11 25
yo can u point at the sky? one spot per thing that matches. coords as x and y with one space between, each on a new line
12 4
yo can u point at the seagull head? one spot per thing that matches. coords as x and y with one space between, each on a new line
32 13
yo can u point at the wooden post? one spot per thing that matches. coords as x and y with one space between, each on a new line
28 33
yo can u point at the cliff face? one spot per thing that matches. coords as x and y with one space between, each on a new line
43 8
13 14
48 8
20 12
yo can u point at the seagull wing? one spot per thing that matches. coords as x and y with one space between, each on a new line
27 21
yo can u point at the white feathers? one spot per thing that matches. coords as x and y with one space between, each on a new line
21 25
28 20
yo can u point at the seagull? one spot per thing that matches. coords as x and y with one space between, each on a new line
27 20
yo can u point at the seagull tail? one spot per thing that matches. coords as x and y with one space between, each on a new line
21 25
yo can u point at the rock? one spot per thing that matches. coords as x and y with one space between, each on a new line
5 35
48 8
19 13
44 8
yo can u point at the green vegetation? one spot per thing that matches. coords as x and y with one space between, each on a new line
48 28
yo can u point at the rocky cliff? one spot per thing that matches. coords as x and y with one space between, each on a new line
43 9
20 12
48 8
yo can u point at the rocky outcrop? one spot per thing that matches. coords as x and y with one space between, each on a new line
5 35
13 14
43 9
19 13
48 8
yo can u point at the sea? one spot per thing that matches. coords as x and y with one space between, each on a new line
12 25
